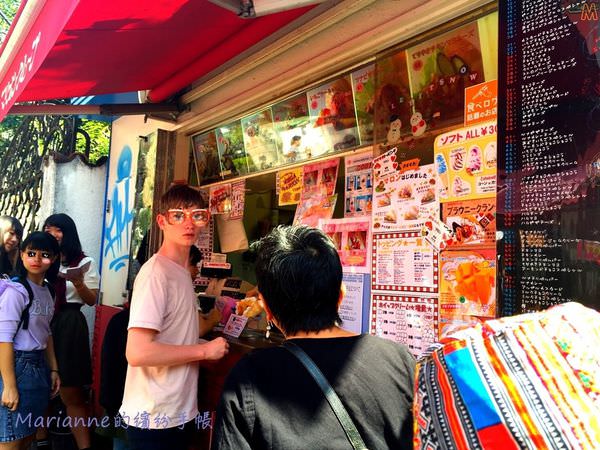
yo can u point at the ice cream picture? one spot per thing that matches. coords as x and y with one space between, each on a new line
460 187
475 163
490 155
457 159
441 169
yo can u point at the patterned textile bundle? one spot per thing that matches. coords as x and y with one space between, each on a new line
525 382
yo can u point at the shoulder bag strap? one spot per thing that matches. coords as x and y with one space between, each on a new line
24 320
333 399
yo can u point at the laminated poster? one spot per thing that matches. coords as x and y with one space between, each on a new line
351 308
468 282
206 157
261 141
403 261
465 162
230 141
363 86
473 223
359 185
392 103
314 208
440 70
298 138
320 177
405 200
289 186
205 245
352 239
437 233
238 199
331 108
385 164
481 103
220 199
412 321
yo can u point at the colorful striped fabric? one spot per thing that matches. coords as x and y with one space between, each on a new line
524 382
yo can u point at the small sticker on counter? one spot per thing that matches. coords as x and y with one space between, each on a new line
235 325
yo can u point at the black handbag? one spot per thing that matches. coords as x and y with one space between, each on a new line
333 399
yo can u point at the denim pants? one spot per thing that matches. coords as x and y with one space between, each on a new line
160 439
33 384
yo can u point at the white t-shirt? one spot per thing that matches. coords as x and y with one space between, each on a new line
163 300
91 278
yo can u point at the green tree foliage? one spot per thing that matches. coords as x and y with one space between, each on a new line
8 127
9 9
99 133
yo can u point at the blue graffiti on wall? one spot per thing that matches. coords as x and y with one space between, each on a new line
117 232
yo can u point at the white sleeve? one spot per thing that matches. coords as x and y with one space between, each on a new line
91 277
149 300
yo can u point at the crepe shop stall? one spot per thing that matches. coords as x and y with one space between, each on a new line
396 161
448 184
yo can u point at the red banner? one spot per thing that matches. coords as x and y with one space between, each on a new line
41 37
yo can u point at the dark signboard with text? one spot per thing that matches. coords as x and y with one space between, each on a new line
549 154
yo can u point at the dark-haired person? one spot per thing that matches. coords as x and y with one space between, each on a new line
160 401
11 232
69 327
28 368
206 321
194 259
270 400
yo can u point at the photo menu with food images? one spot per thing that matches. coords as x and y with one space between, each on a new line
549 154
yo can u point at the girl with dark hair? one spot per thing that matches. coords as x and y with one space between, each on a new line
28 367
77 284
11 232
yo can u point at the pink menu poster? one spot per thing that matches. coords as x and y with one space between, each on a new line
352 238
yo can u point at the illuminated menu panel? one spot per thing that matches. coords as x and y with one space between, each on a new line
549 154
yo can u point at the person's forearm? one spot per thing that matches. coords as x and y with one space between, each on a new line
7 364
158 354
50 355
87 295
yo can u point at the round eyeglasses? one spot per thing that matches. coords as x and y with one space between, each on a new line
199 217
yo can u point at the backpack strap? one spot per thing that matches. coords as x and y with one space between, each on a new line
24 321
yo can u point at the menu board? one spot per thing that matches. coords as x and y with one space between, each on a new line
465 162
404 261
412 321
549 155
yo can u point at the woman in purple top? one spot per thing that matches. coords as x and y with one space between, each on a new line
28 368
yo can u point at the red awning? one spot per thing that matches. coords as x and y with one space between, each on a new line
89 47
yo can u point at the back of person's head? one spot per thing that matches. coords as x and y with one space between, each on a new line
8 223
181 196
195 255
70 245
42 241
299 274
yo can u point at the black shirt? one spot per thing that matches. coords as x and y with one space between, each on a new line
270 400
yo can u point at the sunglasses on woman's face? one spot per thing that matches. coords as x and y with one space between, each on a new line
199 217
44 255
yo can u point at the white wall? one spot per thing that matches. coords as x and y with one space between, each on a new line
76 189
122 174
